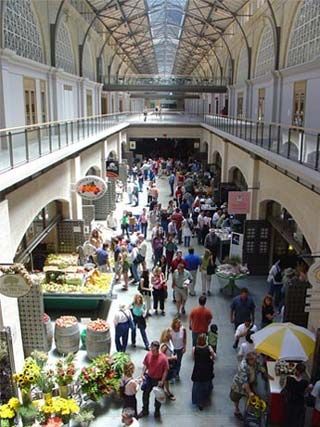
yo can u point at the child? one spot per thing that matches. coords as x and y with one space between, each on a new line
129 387
213 337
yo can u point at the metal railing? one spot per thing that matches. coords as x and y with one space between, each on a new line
143 80
23 144
301 145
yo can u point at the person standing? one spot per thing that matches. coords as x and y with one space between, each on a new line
123 322
145 289
211 241
125 224
242 331
103 258
167 348
143 222
170 248
157 247
315 422
159 290
193 262
181 279
267 311
202 373
275 281
200 319
138 310
129 387
177 217
242 308
187 230
207 269
179 339
171 183
155 370
294 392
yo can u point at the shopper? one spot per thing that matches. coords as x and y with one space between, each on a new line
193 261
244 381
207 269
187 231
213 337
167 348
157 247
211 241
129 387
181 280
155 370
275 281
202 374
125 267
177 217
138 310
95 239
143 222
171 180
102 256
179 339
200 319
242 331
128 418
145 289
316 411
159 286
125 224
294 394
267 311
242 308
123 322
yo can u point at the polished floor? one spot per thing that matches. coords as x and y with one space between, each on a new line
220 412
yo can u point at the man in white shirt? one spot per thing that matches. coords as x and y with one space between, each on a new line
123 322
242 330
215 217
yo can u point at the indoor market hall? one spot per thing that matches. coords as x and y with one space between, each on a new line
159 226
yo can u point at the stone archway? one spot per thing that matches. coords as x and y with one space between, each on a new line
236 176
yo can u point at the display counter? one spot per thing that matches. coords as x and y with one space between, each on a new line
276 402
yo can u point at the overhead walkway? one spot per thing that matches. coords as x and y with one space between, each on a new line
180 84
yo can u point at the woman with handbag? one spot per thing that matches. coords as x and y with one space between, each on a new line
167 348
138 310
207 269
159 290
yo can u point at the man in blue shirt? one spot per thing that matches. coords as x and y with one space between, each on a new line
242 309
103 258
192 264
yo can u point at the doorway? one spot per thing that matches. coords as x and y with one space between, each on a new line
30 101
68 108
261 103
240 105
299 99
89 103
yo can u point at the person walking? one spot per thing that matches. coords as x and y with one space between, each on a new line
242 309
177 217
159 290
207 269
145 290
179 340
138 310
143 222
211 241
242 331
170 249
187 230
157 247
181 280
125 224
123 322
193 261
155 370
125 267
202 374
129 387
171 180
167 348
200 319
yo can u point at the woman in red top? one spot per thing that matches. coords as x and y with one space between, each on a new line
159 285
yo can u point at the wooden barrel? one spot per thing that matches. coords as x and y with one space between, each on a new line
67 339
97 342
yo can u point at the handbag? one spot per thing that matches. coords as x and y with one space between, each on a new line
211 269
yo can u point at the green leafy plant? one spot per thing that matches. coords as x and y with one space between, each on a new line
65 370
118 361
84 416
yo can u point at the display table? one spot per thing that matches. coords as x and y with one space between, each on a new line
276 403
230 288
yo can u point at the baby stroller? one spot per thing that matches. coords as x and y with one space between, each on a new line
255 413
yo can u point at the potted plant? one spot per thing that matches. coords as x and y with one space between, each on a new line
46 383
27 378
8 412
65 371
58 407
28 414
84 417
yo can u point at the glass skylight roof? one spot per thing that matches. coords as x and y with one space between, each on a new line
166 21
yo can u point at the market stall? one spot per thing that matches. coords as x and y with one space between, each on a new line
224 241
229 273
286 344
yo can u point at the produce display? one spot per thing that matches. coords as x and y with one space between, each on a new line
229 270
94 282
98 325
66 321
62 260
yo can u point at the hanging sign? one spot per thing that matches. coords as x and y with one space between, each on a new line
238 202
314 275
13 285
112 169
91 187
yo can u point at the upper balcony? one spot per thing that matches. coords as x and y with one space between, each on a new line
180 84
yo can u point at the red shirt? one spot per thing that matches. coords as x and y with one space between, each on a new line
156 365
200 318
178 217
175 262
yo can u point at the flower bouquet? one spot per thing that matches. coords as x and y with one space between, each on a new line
28 378
99 379
58 407
8 412
64 375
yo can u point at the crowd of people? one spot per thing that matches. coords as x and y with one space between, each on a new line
185 221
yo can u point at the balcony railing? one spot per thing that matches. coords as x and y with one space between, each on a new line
23 144
298 144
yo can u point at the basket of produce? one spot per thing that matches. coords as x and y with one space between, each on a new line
67 334
98 339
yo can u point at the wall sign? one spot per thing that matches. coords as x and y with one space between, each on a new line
112 169
314 275
13 285
91 187
238 202
132 145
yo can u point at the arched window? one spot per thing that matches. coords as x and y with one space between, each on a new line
64 51
87 65
21 32
305 35
265 57
242 71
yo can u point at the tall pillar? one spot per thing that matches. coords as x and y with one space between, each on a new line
224 165
253 184
76 201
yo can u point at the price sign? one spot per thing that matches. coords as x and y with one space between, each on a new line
13 285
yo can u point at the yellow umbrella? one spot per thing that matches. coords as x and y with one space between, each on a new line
284 341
